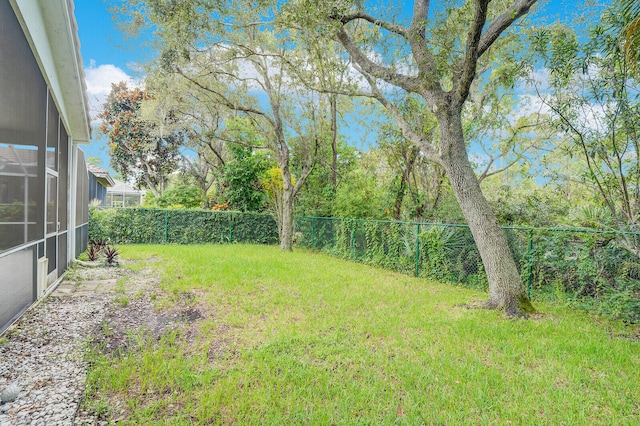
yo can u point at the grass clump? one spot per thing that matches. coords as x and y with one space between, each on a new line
300 337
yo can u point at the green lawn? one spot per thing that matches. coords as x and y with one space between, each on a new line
304 338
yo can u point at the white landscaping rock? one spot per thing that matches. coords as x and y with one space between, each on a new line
10 393
42 363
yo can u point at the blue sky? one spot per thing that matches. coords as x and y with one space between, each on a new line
109 57
105 60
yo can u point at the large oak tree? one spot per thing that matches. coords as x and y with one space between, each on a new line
434 56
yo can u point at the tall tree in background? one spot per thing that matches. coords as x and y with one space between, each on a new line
329 75
235 54
402 157
435 57
593 101
245 167
204 154
138 148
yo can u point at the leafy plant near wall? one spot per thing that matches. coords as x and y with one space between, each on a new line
111 256
101 248
93 253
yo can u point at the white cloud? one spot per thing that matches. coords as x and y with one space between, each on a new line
99 79
588 113
530 104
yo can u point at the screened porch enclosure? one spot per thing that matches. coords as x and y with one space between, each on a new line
42 174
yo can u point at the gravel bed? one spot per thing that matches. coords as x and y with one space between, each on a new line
44 351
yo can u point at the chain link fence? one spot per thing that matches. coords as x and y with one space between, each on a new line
441 252
590 269
587 268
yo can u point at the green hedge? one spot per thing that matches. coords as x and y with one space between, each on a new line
155 226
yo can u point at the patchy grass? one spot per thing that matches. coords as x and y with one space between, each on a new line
291 338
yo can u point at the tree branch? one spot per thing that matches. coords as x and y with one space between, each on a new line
306 169
428 71
486 173
425 146
471 55
397 29
410 84
503 22
226 101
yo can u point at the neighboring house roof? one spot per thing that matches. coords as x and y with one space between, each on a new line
101 175
16 154
122 187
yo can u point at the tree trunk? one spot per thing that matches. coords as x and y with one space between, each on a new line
151 187
286 227
404 182
506 290
334 139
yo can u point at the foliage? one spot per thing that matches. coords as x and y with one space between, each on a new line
192 113
437 61
347 343
592 100
528 204
93 253
101 248
211 46
138 147
95 160
273 184
241 180
218 67
585 269
14 212
318 196
111 256
177 197
96 249
591 270
631 32
358 197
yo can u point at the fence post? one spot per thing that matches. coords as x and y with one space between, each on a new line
166 226
530 280
313 234
353 240
417 248
230 227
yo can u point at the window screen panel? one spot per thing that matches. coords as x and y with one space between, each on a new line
16 285
23 105
53 122
82 191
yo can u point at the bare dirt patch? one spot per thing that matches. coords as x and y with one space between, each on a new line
136 313
139 311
